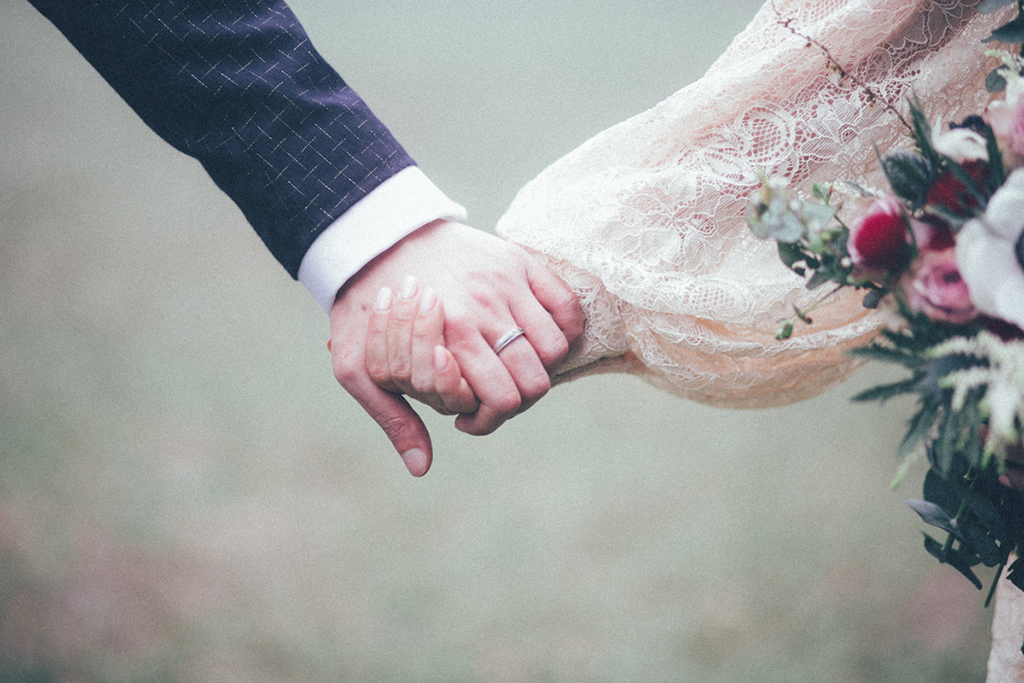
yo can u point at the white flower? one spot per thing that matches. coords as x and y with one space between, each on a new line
988 253
1002 377
960 144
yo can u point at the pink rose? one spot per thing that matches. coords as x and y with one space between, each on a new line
935 288
879 238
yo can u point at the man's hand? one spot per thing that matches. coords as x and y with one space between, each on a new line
488 287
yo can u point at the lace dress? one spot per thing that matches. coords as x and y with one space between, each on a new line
646 220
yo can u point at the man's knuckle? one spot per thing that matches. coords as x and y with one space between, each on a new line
378 371
536 387
507 403
553 351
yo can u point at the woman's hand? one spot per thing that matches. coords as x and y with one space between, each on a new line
405 351
488 287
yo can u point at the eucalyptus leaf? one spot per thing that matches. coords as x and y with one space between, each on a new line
995 82
935 516
872 299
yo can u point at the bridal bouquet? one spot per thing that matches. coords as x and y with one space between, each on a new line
940 253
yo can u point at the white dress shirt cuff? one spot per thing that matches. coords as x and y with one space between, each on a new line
397 207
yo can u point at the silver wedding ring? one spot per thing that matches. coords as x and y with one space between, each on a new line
508 338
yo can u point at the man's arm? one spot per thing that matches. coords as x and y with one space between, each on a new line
237 85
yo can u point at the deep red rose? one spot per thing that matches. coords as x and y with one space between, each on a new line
932 233
947 191
878 239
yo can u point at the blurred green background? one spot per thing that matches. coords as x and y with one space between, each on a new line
187 495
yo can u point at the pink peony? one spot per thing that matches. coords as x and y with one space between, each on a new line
935 288
878 239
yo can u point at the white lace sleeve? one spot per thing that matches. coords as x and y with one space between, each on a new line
645 221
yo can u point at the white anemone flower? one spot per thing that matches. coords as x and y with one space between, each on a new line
990 253
960 144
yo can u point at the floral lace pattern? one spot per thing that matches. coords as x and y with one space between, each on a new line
646 220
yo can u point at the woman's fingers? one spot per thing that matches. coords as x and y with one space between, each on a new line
377 363
450 385
403 335
563 309
404 310
436 379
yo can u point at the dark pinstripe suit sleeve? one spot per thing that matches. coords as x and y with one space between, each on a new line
237 85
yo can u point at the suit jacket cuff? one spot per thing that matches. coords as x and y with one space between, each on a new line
397 207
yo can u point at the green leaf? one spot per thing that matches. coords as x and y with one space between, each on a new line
919 427
923 132
1010 32
979 543
952 558
882 353
996 175
987 515
909 175
944 493
884 392
790 254
945 443
819 278
995 82
872 299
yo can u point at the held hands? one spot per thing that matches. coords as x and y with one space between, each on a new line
442 354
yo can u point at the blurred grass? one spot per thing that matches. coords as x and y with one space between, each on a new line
186 494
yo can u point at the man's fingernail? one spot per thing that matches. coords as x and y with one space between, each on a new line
415 461
408 288
428 300
383 299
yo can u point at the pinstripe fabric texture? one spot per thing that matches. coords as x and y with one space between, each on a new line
238 85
